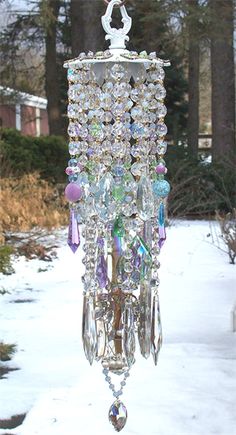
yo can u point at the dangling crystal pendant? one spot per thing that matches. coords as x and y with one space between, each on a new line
73 233
156 331
118 415
89 332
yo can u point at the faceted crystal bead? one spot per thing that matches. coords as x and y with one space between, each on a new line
74 148
118 415
108 87
138 130
121 90
73 110
118 149
106 101
161 129
117 72
161 147
138 169
73 91
137 113
96 130
118 129
155 75
161 109
74 129
160 92
135 94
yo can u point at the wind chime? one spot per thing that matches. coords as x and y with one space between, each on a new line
117 196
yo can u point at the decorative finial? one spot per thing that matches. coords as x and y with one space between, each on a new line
118 37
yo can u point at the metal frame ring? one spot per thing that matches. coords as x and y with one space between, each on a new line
122 2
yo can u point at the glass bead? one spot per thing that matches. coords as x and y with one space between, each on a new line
161 188
160 92
72 178
161 129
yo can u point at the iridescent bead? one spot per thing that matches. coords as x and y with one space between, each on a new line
161 169
72 178
118 170
72 162
161 188
69 171
161 129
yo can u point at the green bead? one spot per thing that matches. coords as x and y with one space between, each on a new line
118 228
118 193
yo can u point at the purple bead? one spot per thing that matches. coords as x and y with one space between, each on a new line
73 192
100 242
73 233
161 169
101 271
162 235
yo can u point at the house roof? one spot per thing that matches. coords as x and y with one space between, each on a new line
12 96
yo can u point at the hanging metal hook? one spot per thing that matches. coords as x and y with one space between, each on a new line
122 2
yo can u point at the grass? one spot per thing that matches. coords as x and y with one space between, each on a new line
29 202
6 351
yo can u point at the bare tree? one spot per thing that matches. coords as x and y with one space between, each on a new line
223 79
193 76
52 84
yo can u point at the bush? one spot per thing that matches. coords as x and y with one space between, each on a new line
199 188
25 154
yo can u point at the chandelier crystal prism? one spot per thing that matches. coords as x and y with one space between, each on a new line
117 191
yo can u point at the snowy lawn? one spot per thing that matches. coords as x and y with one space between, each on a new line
192 391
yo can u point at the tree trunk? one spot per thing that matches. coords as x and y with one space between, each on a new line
52 85
193 77
223 80
86 29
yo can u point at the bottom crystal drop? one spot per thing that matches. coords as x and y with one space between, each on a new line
118 415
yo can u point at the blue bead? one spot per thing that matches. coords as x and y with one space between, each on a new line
72 162
73 178
161 217
118 171
161 188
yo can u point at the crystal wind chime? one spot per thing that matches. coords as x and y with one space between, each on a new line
117 196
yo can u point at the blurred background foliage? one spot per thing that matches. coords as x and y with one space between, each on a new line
196 35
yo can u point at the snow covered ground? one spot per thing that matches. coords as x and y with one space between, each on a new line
192 391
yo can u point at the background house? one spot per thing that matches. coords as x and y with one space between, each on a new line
27 113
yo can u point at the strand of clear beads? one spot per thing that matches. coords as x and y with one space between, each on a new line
118 393
89 260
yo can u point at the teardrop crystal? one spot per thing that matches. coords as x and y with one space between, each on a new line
145 202
118 415
156 331
144 330
89 332
128 333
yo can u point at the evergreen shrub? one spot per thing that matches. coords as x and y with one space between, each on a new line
26 154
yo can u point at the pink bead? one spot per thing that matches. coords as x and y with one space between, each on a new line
73 192
161 169
69 171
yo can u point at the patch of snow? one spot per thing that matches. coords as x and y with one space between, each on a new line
192 391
